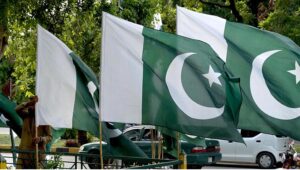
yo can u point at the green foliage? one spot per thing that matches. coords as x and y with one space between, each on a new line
82 34
168 12
3 14
22 49
219 11
245 12
139 11
285 19
69 134
168 17
5 70
55 162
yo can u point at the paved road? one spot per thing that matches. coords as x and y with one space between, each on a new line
4 131
231 166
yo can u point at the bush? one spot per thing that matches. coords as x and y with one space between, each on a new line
69 134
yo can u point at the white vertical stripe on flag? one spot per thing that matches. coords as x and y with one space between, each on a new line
121 70
55 82
207 28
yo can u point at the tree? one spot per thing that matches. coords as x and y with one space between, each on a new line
3 26
285 19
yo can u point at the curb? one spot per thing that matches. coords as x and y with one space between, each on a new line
59 149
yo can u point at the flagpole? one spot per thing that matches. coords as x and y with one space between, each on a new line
100 129
10 130
35 122
36 149
100 117
152 144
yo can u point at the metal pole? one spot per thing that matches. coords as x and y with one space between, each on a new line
13 147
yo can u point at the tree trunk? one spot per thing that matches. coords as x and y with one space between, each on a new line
3 26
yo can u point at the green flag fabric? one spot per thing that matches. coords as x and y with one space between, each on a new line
199 141
156 78
9 116
267 64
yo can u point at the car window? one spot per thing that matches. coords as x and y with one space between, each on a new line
133 135
248 133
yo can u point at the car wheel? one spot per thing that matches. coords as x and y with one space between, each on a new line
93 162
265 160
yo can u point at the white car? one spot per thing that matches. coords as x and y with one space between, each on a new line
259 148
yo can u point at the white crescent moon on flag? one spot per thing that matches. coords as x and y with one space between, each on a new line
262 95
182 100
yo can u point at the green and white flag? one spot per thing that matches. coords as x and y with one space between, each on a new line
156 78
9 116
66 87
266 62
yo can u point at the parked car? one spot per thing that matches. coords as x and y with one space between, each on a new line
197 156
262 149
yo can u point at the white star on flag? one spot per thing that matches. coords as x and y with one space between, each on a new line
296 72
212 76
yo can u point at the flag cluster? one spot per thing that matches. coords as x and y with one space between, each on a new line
213 77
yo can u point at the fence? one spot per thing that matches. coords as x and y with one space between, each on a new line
87 161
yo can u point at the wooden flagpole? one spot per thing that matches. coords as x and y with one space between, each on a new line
100 117
101 151
152 144
10 130
36 128
36 149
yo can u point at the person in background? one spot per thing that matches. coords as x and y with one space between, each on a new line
28 142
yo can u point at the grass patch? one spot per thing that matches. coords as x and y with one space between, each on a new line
297 147
5 140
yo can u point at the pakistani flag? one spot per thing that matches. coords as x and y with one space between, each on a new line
266 62
68 93
156 78
66 87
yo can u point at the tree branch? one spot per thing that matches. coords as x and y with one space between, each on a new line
235 12
231 6
222 5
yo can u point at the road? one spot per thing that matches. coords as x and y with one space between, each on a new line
4 131
231 166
